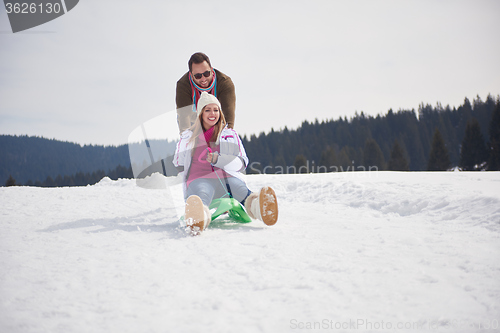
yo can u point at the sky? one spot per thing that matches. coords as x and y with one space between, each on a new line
97 73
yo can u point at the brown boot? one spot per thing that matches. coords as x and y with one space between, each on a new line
197 215
263 206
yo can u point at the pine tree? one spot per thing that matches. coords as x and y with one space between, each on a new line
398 161
328 161
279 164
473 152
59 181
372 156
49 182
494 144
300 164
10 182
439 159
345 162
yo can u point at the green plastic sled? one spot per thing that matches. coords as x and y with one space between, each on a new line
230 205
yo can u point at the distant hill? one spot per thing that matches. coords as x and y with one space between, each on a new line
35 158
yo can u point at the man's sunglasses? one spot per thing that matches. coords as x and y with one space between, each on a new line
198 75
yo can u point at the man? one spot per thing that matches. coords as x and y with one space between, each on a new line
202 77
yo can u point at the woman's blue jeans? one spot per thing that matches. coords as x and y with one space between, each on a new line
209 189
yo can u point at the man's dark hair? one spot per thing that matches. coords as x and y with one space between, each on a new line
198 58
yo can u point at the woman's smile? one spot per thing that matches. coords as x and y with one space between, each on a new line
210 116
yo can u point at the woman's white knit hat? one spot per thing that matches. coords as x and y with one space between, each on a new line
204 100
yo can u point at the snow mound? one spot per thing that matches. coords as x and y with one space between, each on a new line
108 182
154 182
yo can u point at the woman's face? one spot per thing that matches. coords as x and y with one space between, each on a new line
210 116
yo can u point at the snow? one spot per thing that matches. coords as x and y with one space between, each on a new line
372 251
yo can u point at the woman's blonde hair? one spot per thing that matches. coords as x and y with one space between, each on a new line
197 127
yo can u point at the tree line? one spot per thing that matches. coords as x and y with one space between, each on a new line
78 179
435 138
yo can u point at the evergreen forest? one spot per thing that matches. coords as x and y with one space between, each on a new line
432 138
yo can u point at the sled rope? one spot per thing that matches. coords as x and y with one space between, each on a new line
222 184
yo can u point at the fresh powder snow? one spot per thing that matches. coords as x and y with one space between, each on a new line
352 251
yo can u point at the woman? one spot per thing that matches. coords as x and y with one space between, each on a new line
211 158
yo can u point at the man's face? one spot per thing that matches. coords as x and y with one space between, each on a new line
203 82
